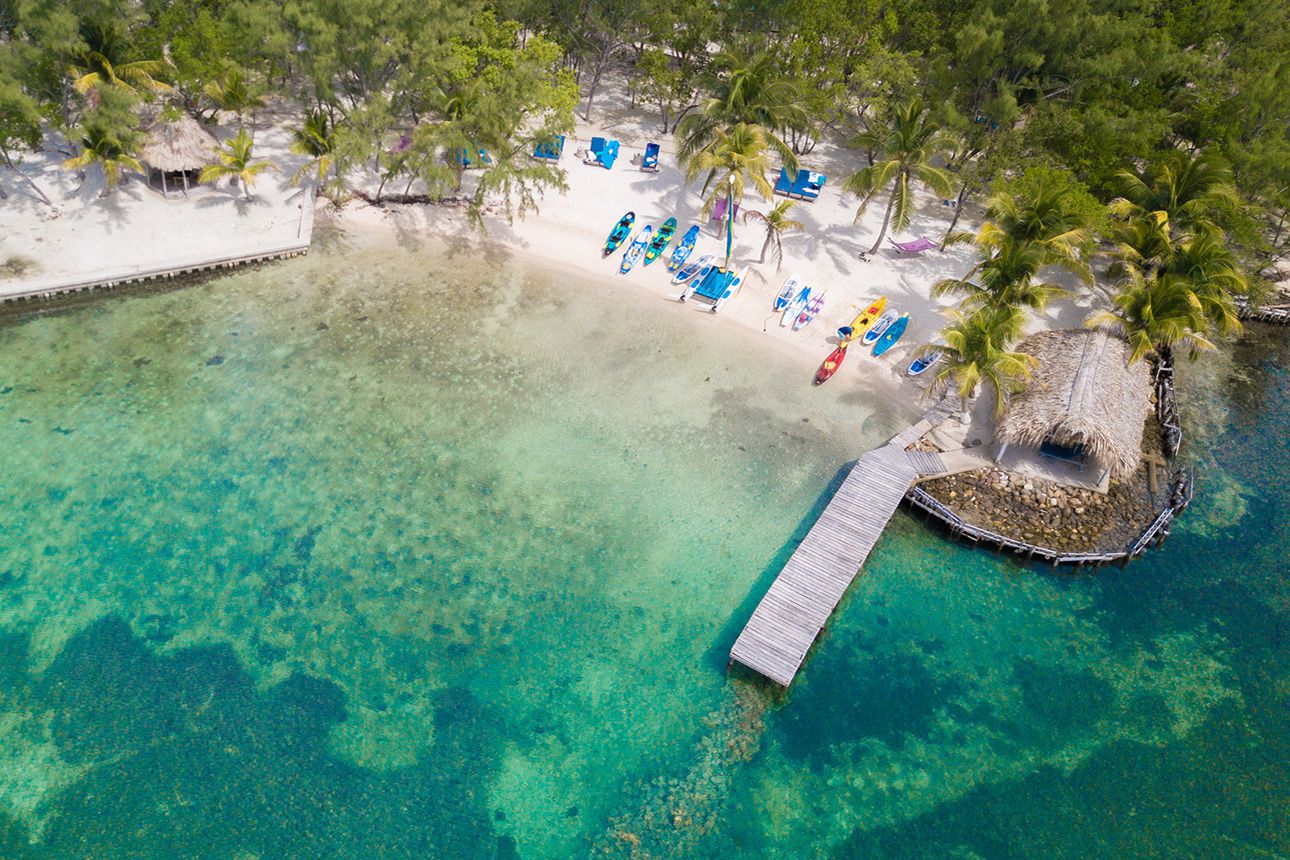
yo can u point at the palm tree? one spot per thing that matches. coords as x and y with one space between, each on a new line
733 161
905 149
744 88
236 161
777 223
317 140
1142 244
103 63
1188 191
1006 277
1202 261
1155 313
977 351
1042 215
1211 271
102 147
235 94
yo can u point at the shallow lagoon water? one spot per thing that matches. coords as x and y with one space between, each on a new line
393 552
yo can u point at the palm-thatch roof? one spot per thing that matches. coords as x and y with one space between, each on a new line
178 145
1083 393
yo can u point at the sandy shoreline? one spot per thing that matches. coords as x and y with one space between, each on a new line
134 227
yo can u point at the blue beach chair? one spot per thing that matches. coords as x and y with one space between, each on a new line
783 185
650 160
464 160
609 154
551 150
808 185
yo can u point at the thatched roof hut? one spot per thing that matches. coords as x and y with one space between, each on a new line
1083 396
177 149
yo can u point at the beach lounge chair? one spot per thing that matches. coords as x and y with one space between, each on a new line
808 185
783 185
603 152
465 162
649 161
550 150
918 246
609 154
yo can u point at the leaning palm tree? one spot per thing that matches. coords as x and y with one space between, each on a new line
237 161
904 149
977 352
1156 313
102 147
1188 191
316 139
103 63
744 88
777 223
1007 276
234 93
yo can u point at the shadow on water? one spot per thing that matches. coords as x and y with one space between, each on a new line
1200 797
185 757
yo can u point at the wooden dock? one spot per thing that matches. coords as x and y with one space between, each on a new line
807 590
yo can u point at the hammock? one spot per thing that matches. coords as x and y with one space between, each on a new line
918 246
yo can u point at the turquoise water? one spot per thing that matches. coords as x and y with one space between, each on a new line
327 560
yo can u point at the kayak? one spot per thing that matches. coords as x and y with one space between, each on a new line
875 331
661 238
620 232
682 252
866 318
795 306
699 277
786 294
809 312
691 268
831 364
637 248
924 361
891 335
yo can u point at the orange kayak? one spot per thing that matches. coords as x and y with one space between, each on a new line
831 364
866 318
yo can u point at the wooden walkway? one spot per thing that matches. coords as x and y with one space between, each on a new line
804 595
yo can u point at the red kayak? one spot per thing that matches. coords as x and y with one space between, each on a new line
831 364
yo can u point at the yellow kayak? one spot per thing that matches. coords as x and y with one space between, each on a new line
866 318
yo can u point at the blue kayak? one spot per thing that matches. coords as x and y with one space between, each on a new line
924 361
682 251
889 337
619 234
636 249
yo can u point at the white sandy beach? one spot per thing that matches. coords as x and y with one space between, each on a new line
135 229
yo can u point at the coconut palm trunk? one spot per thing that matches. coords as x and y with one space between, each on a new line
886 218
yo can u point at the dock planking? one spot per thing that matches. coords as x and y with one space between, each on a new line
799 602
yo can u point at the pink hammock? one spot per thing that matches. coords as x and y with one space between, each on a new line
918 246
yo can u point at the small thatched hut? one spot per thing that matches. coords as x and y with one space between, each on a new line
176 152
1084 402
